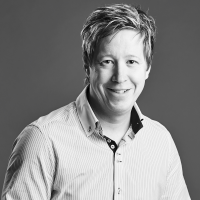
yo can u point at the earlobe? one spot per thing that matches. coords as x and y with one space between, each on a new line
147 72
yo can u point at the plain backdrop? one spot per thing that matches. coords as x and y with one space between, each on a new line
41 69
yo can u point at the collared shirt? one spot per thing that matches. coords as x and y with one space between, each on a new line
65 155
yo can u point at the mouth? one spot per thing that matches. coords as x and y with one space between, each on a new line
119 91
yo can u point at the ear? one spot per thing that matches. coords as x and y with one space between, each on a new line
147 72
87 71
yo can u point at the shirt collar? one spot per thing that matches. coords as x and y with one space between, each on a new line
89 121
136 118
85 113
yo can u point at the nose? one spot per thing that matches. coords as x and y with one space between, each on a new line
119 73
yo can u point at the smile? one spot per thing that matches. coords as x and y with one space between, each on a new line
119 91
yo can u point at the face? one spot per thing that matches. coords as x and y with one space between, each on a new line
118 73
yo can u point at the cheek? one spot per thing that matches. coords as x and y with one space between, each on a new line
137 78
102 76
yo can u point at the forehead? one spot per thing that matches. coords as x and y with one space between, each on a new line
122 42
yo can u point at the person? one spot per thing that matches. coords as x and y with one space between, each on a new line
101 147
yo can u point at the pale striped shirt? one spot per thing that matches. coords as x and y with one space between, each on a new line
65 156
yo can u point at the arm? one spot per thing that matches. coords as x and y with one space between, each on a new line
176 188
31 167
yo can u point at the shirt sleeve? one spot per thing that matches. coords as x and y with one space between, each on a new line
30 171
176 188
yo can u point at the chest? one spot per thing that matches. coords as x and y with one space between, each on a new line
90 170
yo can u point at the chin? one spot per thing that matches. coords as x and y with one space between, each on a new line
121 107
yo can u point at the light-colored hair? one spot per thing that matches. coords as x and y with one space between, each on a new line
105 21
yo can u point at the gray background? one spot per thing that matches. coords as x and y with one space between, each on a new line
41 69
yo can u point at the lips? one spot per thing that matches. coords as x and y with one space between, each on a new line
119 91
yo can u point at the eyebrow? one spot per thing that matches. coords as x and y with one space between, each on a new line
132 56
110 55
102 55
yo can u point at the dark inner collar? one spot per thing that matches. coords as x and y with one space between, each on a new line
135 121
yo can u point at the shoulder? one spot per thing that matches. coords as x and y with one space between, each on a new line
42 133
62 114
155 125
44 127
156 137
156 132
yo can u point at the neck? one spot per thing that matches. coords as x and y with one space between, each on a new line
114 120
114 124
116 127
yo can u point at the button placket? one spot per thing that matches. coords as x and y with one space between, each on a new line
118 156
118 172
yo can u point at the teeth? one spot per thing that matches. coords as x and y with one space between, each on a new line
119 91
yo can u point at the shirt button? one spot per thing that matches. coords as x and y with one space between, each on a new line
89 129
112 146
119 190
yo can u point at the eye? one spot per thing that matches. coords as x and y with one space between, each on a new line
131 62
106 63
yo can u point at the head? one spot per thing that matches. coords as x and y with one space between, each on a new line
118 44
108 20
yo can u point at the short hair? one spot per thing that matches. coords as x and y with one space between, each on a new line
105 21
